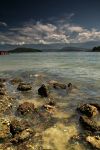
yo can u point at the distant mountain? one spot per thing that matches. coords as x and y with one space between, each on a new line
96 49
24 50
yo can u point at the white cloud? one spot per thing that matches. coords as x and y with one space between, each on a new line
59 31
3 24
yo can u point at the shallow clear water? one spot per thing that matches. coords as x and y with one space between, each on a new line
81 69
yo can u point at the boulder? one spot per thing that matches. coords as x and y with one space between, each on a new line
56 84
24 87
22 136
3 80
96 105
89 124
2 91
17 126
16 81
88 110
94 141
43 91
4 128
25 108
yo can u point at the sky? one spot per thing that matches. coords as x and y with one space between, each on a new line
49 21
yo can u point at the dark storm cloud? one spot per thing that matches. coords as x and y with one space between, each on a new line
49 21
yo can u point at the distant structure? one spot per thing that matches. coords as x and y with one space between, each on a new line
3 53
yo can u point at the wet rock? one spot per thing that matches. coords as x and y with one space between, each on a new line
16 81
4 128
24 87
2 91
3 80
17 126
43 91
96 105
94 141
22 136
2 85
88 110
57 85
25 108
89 124
69 86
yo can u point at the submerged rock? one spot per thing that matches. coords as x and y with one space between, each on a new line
43 91
17 126
94 141
88 110
3 80
57 85
4 128
89 124
96 105
24 87
16 81
2 91
22 136
25 108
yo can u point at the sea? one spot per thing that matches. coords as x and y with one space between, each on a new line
82 69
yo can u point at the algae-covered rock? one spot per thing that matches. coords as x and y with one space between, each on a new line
43 91
25 108
24 87
88 110
94 141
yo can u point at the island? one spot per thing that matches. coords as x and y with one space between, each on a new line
24 50
96 49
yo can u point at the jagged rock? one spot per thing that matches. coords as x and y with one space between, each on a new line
88 110
57 85
2 85
4 128
17 126
2 91
94 141
24 87
25 108
3 80
96 105
43 91
22 136
16 81
89 124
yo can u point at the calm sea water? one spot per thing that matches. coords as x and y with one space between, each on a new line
81 69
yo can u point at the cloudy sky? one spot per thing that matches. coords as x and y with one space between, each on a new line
49 21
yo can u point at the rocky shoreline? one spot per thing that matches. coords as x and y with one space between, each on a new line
18 121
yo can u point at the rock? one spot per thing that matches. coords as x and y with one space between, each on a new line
96 105
3 80
2 85
51 103
4 128
24 87
16 81
88 110
2 91
57 85
17 126
94 141
43 91
25 108
89 124
22 136
69 86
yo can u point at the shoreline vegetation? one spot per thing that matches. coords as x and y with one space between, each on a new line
65 49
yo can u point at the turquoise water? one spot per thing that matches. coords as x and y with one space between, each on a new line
81 69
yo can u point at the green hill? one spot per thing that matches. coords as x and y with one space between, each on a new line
96 49
24 50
